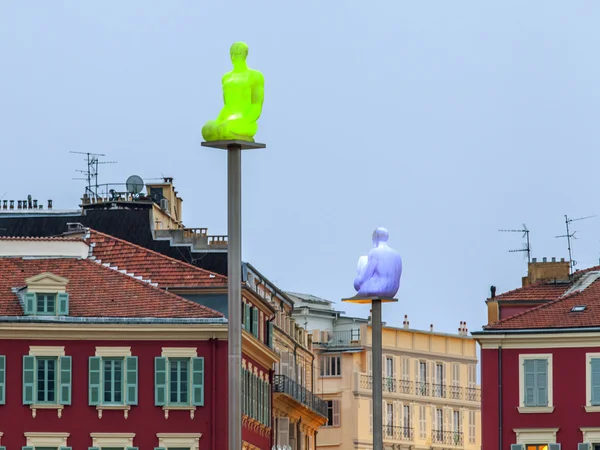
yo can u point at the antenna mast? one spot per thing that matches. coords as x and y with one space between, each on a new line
527 247
569 236
91 173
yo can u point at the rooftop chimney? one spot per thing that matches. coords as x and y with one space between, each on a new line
405 322
546 271
431 328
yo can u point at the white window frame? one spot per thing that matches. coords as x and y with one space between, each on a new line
472 429
327 358
590 434
113 352
112 439
423 421
179 440
179 352
46 439
588 382
535 435
535 409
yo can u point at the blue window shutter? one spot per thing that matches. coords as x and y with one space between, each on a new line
259 412
63 304
131 381
541 381
27 448
248 321
529 383
198 381
517 447
2 380
93 448
160 448
270 337
243 391
131 448
553 446
160 381
65 380
595 381
64 448
95 380
255 322
30 303
28 379
584 446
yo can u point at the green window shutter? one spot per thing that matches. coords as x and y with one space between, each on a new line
93 448
255 322
64 448
584 446
63 304
259 401
65 380
541 382
160 448
28 379
160 381
517 447
30 303
131 448
266 404
529 383
595 388
95 380
131 381
253 395
248 322
270 336
198 381
2 380
243 391
27 448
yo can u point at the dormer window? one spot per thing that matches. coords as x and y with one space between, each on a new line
46 295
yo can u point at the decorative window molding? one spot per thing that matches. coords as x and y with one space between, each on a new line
535 435
179 352
46 439
179 440
590 434
535 409
113 352
46 283
588 383
35 350
112 439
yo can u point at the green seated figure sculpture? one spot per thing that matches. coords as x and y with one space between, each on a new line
243 95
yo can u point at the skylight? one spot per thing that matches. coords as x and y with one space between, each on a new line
578 308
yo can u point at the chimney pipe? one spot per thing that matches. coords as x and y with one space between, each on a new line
5 205
553 259
19 203
12 204
49 204
534 260
544 259
35 205
431 328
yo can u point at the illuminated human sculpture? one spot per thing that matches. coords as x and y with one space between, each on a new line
379 272
243 95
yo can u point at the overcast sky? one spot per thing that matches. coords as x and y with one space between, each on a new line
442 121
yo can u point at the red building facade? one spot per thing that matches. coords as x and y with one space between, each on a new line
96 357
541 365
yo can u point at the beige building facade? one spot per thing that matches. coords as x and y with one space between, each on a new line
431 399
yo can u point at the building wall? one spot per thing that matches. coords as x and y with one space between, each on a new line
569 396
145 419
508 311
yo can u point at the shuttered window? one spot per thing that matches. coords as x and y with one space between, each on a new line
595 381
179 381
535 382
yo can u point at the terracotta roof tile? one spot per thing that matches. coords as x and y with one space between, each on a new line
541 290
150 265
96 291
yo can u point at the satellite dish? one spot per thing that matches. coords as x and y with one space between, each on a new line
134 184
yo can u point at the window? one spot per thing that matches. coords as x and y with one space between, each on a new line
46 304
422 378
456 422
389 382
116 441
438 387
593 382
439 419
113 380
422 422
406 421
178 441
179 381
333 413
405 368
256 397
46 380
471 427
535 382
331 366
46 441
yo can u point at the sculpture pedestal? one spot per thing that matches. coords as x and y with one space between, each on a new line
234 282
376 361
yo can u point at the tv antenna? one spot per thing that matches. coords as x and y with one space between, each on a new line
527 246
91 173
569 236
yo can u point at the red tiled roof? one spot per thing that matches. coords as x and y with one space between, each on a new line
557 313
541 290
150 265
96 291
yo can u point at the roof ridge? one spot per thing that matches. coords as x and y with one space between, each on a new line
152 286
522 288
147 250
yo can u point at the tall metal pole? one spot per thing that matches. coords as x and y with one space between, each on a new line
234 293
377 375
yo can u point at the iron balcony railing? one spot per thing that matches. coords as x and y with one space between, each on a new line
388 384
422 388
285 385
338 338
447 437
393 433
473 394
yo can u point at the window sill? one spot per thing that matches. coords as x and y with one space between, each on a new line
589 408
58 408
124 408
536 409
191 409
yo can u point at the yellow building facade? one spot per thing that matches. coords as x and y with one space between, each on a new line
431 399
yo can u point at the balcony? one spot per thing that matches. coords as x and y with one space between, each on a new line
391 433
420 388
454 438
285 385
332 339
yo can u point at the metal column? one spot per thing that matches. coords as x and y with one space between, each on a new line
234 293
377 375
